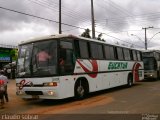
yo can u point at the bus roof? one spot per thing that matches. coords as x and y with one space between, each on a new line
56 36
42 38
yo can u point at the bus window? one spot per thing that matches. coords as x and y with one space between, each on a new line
138 56
109 52
120 53
83 49
134 55
23 64
112 52
44 58
126 54
96 51
131 54
66 58
93 50
100 52
149 63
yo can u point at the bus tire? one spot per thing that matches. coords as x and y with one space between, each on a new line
81 89
130 80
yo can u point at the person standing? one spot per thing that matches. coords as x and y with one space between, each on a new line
2 91
5 79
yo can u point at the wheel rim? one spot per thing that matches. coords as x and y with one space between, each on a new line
80 91
130 82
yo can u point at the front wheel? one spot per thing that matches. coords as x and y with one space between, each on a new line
80 90
130 81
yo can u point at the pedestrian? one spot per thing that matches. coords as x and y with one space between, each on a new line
5 79
2 91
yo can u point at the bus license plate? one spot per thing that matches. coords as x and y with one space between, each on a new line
35 96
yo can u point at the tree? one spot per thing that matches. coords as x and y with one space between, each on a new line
14 54
100 37
86 33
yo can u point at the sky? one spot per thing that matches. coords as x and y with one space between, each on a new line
120 21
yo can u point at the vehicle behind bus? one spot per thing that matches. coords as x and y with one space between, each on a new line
151 60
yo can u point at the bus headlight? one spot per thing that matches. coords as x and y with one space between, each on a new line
18 85
50 84
50 93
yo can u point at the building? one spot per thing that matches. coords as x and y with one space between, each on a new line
5 54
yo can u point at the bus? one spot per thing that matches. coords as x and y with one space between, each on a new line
151 59
75 66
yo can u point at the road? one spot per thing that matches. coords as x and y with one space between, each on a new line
142 98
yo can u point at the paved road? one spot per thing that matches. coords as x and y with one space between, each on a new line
142 98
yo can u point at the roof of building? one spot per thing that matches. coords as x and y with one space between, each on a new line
8 46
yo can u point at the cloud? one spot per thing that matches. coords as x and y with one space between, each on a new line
110 16
10 20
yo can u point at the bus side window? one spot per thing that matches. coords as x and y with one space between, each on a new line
83 47
126 54
109 52
131 54
94 50
66 58
116 53
112 52
134 55
77 49
120 53
139 56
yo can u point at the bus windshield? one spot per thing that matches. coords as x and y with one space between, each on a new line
37 59
149 63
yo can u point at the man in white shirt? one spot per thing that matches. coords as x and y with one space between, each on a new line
5 79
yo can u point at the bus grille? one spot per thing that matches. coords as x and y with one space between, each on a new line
34 92
33 85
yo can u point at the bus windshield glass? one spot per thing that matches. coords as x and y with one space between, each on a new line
149 63
37 59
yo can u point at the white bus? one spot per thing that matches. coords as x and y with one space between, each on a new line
74 67
151 59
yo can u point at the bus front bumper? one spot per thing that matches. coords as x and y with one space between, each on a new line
150 75
38 93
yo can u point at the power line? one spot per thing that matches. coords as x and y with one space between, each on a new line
139 18
45 4
119 8
39 17
67 13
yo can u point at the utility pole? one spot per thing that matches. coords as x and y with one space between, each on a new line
60 28
92 18
145 29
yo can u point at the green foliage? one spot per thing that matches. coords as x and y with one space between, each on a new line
86 33
14 54
100 37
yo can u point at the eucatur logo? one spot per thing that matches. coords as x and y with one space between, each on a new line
92 73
